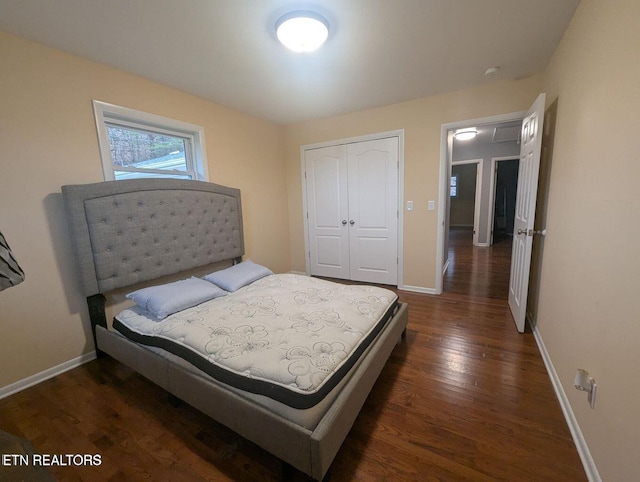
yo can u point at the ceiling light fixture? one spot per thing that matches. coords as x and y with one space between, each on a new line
465 134
302 31
491 71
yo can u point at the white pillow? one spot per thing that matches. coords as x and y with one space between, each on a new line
163 300
238 275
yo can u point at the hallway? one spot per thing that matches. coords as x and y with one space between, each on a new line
477 271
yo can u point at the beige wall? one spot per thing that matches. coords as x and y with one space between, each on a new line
48 138
421 120
588 312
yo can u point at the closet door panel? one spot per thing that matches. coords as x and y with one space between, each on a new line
373 210
327 205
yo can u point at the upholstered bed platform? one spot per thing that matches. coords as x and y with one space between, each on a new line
128 232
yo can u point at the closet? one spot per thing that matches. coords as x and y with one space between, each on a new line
352 210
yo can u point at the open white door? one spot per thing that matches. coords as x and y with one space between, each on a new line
530 148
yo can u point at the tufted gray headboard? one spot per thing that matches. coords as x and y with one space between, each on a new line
125 232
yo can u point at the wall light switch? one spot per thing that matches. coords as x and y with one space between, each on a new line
431 205
409 205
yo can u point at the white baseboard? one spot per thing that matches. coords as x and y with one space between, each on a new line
417 289
581 444
483 245
298 272
45 375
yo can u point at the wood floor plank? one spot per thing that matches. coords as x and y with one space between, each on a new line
464 397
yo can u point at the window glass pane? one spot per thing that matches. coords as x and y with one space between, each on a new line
138 174
138 142
454 191
146 150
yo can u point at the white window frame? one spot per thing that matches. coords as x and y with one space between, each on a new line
195 151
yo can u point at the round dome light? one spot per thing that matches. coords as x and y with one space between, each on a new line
302 31
465 134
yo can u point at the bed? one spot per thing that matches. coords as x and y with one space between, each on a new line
125 233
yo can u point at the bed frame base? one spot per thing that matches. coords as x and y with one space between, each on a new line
309 451
116 216
98 317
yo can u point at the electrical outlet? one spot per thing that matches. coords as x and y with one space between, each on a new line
409 205
585 383
431 205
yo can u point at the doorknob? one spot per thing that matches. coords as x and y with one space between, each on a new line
541 232
344 222
352 222
522 231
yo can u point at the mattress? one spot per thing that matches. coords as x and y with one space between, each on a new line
288 337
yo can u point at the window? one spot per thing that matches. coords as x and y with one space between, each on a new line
135 144
453 187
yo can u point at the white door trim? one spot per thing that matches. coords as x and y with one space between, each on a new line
492 192
478 194
399 133
445 156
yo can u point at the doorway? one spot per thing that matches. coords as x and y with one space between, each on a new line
502 204
498 137
465 194
532 122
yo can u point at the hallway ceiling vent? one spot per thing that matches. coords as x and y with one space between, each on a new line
506 134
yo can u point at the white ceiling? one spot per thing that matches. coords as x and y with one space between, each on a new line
379 52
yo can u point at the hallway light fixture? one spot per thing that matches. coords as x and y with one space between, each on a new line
465 134
491 71
302 31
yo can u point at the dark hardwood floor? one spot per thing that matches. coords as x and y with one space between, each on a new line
465 397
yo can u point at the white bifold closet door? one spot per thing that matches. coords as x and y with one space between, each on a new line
352 202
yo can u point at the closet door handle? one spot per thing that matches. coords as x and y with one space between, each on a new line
352 222
344 222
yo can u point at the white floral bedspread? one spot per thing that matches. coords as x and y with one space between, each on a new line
284 331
